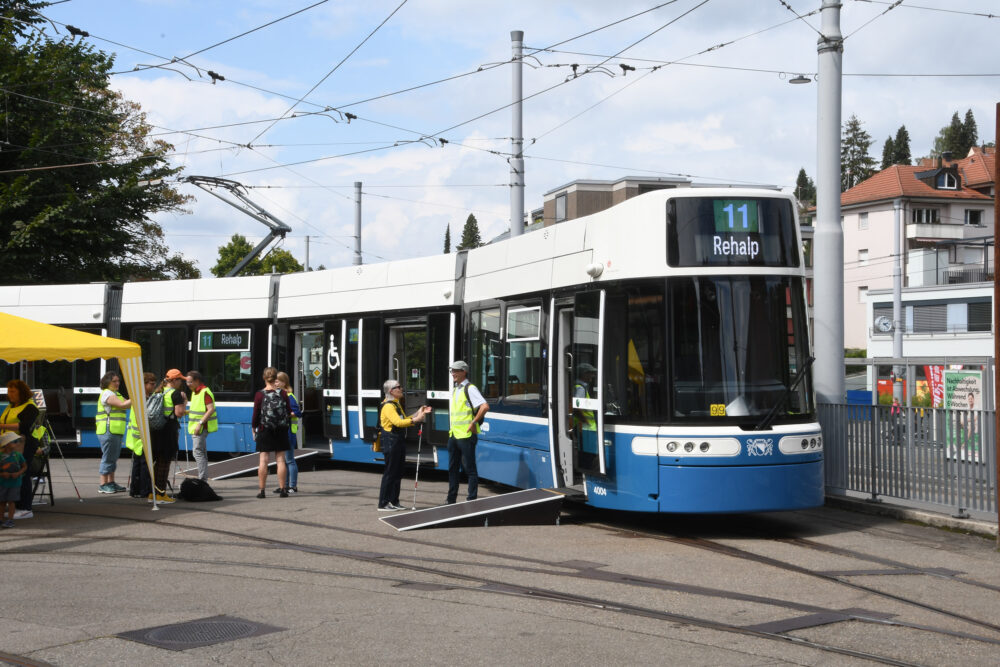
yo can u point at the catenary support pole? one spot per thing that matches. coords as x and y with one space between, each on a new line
517 138
829 238
357 223
897 299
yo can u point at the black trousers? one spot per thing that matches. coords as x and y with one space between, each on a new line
27 481
394 450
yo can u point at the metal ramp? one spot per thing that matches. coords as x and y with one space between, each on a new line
534 507
244 464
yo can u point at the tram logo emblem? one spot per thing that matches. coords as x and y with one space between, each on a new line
760 446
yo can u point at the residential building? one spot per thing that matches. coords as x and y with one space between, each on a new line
946 215
585 197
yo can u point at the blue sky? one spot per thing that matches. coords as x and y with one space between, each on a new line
726 115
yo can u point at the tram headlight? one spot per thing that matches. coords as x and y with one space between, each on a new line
805 444
703 446
812 443
688 446
673 445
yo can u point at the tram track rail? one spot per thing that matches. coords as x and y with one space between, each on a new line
437 567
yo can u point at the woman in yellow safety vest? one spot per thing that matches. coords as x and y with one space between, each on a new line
22 416
112 408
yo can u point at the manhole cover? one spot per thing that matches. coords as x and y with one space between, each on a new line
202 632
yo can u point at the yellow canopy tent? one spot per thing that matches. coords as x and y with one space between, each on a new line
27 340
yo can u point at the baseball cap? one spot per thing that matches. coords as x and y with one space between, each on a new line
174 374
459 365
587 368
9 438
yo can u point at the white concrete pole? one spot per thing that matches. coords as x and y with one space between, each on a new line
517 138
897 298
829 238
357 223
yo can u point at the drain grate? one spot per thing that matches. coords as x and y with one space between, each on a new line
201 632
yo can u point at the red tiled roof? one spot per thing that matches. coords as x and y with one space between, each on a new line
979 167
901 181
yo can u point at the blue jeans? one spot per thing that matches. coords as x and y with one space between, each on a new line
462 454
111 449
290 463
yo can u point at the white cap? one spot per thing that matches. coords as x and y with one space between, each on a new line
459 365
8 438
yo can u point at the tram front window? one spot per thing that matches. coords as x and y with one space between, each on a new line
736 347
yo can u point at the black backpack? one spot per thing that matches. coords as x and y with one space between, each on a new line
274 410
197 490
154 411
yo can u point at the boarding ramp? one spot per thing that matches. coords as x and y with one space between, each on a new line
241 465
533 507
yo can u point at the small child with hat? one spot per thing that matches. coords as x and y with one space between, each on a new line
12 467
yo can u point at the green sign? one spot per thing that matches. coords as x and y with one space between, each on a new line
736 215
224 340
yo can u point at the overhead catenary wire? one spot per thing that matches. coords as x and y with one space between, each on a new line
335 68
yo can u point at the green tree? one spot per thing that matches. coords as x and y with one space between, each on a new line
901 147
470 234
888 153
958 136
73 204
856 164
447 239
805 189
970 134
276 261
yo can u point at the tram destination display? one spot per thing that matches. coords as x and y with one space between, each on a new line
708 231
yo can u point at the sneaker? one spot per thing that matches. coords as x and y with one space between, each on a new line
118 487
106 488
261 494
23 514
282 493
387 508
394 507
162 498
7 524
292 489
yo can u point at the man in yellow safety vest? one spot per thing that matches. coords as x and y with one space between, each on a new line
202 420
467 409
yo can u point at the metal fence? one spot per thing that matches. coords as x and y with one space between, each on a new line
930 458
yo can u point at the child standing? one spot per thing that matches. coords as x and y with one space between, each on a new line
12 467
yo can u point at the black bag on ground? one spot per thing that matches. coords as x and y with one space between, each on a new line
197 490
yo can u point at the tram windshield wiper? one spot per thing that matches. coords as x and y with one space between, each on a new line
769 417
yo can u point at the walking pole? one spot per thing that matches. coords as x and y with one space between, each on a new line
52 437
420 442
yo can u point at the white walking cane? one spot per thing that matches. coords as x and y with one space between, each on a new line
420 442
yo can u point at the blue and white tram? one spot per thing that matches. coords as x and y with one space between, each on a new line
223 328
649 355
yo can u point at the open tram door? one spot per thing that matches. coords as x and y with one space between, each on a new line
579 413
420 349
307 385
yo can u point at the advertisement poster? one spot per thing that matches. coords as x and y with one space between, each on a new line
963 402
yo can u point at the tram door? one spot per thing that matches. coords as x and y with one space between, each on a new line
408 366
334 359
577 406
307 385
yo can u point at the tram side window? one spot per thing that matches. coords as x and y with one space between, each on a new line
224 360
635 355
485 362
523 354
163 348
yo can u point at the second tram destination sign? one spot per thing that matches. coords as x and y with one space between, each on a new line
224 340
705 231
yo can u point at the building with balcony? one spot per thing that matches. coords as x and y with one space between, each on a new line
946 215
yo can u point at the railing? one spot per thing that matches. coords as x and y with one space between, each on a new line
930 458
962 275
